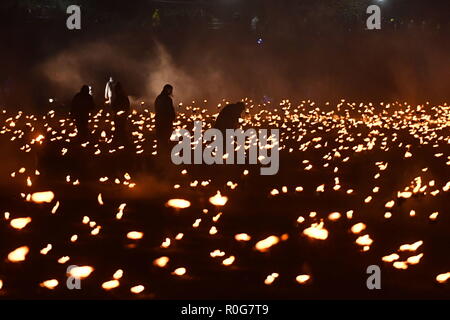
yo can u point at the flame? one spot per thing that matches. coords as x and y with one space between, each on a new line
179 272
391 258
411 247
242 237
229 261
20 223
217 253
108 285
358 228
63 260
19 254
364 240
178 203
303 278
100 199
46 249
334 216
316 231
414 259
118 274
271 278
264 245
81 272
161 262
400 265
41 197
49 284
135 235
137 289
218 200
441 278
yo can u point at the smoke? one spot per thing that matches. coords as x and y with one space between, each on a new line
403 65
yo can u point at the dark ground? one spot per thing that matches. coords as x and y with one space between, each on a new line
337 265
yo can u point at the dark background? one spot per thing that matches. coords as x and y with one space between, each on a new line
207 49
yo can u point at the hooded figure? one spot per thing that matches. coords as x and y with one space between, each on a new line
120 104
80 107
165 116
228 118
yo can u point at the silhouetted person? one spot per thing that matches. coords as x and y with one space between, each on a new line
109 90
80 107
120 105
165 116
228 117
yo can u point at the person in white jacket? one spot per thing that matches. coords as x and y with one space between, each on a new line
109 90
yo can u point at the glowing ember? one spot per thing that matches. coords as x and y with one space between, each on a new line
411 247
218 200
49 284
229 261
271 278
358 228
178 203
118 274
81 272
20 223
242 237
316 231
137 289
364 240
303 278
161 262
264 245
108 285
391 258
19 254
442 278
180 271
41 197
135 235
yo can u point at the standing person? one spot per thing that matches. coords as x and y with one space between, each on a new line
81 105
109 90
120 104
165 116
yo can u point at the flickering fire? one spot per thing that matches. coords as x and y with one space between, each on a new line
19 254
218 200
49 284
267 243
303 278
20 223
81 272
316 231
42 197
178 203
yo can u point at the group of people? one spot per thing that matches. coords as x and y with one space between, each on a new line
119 103
83 103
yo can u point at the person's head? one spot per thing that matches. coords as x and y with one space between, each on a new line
167 90
111 79
85 89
